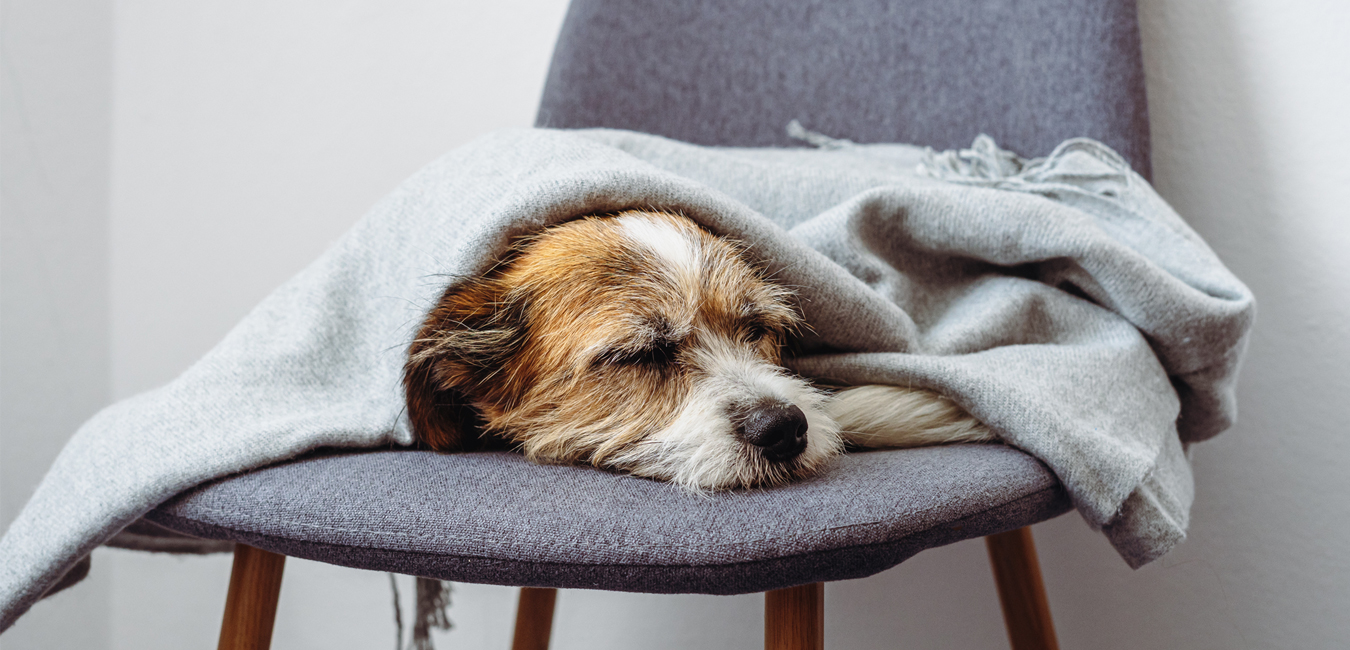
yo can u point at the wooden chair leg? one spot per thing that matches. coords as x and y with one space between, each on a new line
1021 590
794 618
251 606
534 618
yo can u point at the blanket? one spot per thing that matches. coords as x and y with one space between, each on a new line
1058 300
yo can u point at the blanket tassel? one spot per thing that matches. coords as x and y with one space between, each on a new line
433 601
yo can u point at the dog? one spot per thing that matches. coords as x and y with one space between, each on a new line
640 342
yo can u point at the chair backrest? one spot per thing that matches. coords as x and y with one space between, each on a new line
1030 73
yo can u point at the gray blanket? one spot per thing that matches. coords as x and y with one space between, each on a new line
1059 300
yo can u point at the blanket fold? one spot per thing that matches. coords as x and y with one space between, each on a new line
1059 300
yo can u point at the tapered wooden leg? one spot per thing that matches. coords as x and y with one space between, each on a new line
1021 590
534 618
251 606
794 618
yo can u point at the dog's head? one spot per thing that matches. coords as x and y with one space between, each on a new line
637 342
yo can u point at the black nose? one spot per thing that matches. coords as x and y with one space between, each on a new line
777 428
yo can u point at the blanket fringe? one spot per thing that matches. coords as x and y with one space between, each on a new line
796 131
989 165
433 601
398 613
984 160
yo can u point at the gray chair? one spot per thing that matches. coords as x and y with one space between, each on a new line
730 72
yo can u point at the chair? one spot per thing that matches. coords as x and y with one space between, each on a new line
732 72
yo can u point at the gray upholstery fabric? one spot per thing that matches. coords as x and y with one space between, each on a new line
495 518
931 72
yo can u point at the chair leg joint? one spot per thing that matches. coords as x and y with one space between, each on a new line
794 618
1021 590
534 618
251 605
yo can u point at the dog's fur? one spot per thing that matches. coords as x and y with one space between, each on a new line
640 342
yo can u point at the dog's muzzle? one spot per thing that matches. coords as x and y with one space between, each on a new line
777 428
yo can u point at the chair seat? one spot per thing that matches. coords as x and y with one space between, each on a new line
496 518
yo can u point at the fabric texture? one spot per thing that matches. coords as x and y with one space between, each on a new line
928 72
1059 301
497 518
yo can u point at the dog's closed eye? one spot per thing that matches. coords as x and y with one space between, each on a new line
657 353
757 330
652 352
655 343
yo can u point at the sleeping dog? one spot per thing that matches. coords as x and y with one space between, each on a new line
642 343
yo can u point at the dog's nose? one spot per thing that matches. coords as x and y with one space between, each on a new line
777 428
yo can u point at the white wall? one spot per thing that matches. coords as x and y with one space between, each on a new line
55 92
246 136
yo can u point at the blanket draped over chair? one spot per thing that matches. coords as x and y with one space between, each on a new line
1059 300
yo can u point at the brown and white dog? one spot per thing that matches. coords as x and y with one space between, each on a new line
641 343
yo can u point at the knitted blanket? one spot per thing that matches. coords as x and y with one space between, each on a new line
1058 300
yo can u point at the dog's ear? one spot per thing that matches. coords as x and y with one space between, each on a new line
455 358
